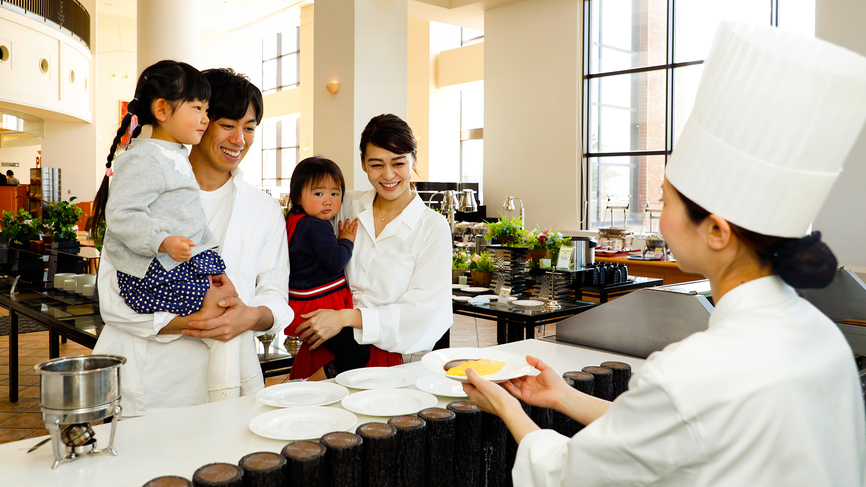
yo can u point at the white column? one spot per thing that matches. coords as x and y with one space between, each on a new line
840 219
362 44
168 29
532 90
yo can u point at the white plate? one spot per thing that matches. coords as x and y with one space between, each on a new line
377 378
462 299
306 423
515 365
494 297
441 386
293 394
389 402
471 289
457 286
528 302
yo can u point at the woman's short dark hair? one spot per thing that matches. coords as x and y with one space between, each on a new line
801 262
391 133
232 95
308 173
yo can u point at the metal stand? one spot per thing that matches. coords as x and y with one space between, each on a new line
56 420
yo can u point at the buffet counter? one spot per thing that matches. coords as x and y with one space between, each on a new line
177 442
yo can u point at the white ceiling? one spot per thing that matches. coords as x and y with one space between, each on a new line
234 15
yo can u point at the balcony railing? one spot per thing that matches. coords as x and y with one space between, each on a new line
69 16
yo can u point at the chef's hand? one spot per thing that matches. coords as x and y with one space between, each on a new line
543 390
494 399
321 325
234 319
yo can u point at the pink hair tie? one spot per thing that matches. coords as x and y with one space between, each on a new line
109 172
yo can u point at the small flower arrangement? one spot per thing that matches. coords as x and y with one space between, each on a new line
460 261
509 231
544 239
484 262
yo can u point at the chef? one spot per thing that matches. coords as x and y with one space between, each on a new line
769 394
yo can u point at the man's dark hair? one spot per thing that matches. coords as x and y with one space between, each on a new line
231 95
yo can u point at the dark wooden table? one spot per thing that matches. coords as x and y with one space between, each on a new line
603 294
69 316
515 323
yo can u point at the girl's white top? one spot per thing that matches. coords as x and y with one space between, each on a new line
153 194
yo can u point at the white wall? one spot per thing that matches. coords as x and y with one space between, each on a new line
532 110
244 55
24 156
841 218
444 126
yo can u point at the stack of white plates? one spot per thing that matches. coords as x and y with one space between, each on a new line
88 290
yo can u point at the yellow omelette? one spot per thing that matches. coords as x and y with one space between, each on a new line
483 366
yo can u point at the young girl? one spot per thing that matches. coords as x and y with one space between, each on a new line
156 231
317 260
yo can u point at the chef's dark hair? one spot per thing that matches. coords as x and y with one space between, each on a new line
232 95
803 263
308 173
173 81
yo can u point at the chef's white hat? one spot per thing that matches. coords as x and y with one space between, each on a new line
774 118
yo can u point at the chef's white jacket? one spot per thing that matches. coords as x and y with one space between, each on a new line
401 281
168 371
768 395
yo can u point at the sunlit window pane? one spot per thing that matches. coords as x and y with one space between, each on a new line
269 74
289 66
290 41
636 180
697 21
269 134
269 164
627 34
288 160
628 112
686 81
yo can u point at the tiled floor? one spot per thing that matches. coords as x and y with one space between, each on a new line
23 419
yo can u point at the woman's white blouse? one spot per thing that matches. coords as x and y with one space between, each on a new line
768 395
401 281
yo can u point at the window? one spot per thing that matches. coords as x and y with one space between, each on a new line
470 36
279 152
642 64
472 135
281 61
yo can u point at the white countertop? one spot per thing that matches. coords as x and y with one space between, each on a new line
179 441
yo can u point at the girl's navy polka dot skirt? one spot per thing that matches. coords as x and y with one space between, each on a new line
179 291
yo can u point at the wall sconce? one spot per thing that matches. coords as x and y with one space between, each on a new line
333 88
509 205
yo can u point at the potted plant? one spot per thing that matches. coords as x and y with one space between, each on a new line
459 265
543 244
481 267
508 232
61 220
18 230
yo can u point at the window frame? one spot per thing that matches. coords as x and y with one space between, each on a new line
669 68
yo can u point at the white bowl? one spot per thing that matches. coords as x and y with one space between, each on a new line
59 278
81 280
88 290
69 285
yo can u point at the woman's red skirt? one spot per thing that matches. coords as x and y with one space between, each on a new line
308 361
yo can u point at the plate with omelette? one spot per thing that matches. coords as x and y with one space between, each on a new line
493 365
